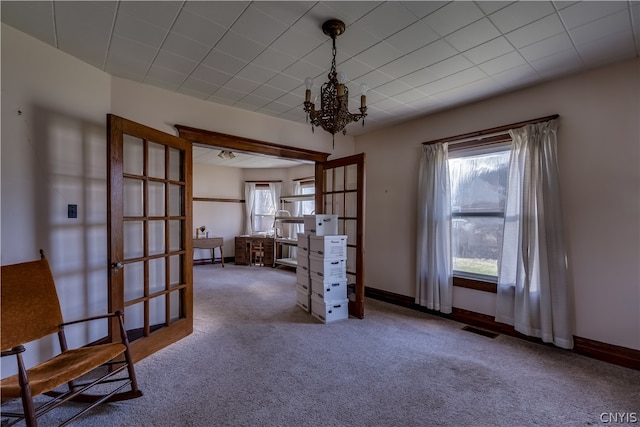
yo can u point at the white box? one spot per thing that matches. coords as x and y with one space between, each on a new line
303 259
303 299
329 312
321 225
303 241
334 290
302 276
327 269
328 246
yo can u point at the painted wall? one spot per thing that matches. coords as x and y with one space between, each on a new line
53 154
599 154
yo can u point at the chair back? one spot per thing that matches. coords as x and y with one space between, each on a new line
30 306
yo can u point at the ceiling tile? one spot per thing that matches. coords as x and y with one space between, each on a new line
453 16
423 8
35 18
287 12
587 11
139 30
256 73
285 82
374 78
557 65
450 66
503 63
222 13
609 25
420 78
301 70
351 10
296 43
239 46
258 26
226 63
355 69
607 49
519 76
210 75
423 57
490 7
174 62
473 35
198 28
453 81
520 14
379 54
392 88
547 47
228 95
539 30
170 78
123 48
412 37
269 92
387 19
253 101
355 40
198 86
274 59
159 13
489 50
185 47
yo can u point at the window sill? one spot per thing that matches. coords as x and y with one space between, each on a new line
478 285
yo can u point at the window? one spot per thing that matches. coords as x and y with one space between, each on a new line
308 206
264 210
478 179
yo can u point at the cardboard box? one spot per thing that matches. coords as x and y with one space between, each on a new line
329 312
302 276
327 269
321 225
328 246
335 290
303 299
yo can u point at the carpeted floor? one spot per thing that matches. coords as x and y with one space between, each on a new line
256 359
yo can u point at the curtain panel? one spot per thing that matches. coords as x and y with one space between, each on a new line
249 197
532 279
434 282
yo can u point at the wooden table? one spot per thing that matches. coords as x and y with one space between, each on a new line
210 243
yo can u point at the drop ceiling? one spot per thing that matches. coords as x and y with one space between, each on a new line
418 57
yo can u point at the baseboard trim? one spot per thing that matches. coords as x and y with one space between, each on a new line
622 356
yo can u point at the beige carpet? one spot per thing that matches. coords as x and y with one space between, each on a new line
256 359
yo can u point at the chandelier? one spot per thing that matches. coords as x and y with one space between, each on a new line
333 115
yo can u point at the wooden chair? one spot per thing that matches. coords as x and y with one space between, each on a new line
30 311
256 253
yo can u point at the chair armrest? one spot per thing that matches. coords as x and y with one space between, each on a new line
15 350
89 319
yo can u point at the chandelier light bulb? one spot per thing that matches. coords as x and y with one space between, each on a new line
308 83
342 77
364 88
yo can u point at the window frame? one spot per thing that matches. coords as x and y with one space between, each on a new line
261 187
489 145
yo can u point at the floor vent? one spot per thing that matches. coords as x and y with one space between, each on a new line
480 331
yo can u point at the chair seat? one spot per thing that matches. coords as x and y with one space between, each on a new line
61 369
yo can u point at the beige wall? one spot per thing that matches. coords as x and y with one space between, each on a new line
599 154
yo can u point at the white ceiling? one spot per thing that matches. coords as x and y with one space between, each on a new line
418 57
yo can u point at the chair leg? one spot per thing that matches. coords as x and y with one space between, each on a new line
25 395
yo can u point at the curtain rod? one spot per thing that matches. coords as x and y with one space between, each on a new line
264 182
499 130
306 178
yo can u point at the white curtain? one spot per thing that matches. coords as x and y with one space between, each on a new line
434 284
532 279
297 208
249 197
275 189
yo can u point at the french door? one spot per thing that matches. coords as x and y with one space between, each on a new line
149 226
340 190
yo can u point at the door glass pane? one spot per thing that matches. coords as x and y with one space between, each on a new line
157 275
176 207
133 197
133 281
328 180
351 230
156 198
352 177
352 204
176 305
328 204
175 270
175 235
351 258
338 184
156 237
156 160
175 171
133 239
157 311
134 317
133 155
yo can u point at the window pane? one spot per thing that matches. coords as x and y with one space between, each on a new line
263 203
478 183
476 243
